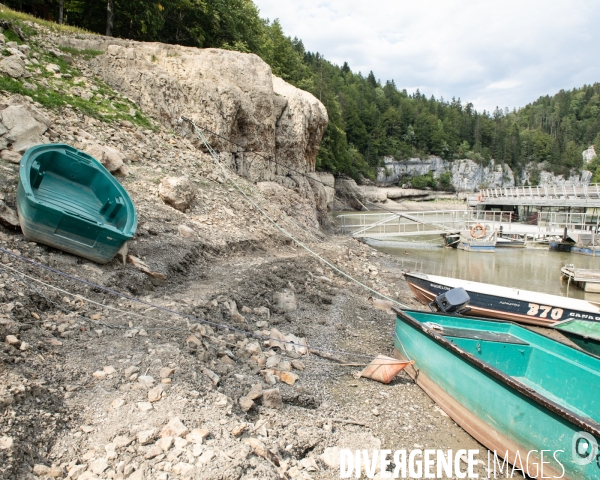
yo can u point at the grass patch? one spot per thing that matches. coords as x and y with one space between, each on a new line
11 36
20 17
57 93
86 54
56 100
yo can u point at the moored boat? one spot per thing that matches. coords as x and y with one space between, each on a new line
583 333
517 392
476 240
68 200
502 242
592 251
560 246
505 303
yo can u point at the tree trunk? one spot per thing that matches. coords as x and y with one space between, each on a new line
61 5
109 17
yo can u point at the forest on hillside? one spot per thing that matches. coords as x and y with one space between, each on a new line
369 119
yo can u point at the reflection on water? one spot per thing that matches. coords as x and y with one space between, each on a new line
536 269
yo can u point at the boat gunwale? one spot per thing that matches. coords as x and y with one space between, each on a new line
585 423
577 304
33 152
486 313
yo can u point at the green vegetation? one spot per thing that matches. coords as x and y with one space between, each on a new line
39 18
87 54
49 91
368 119
427 181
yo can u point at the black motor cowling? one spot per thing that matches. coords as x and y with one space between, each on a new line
453 301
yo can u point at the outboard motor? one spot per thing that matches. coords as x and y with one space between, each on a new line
453 301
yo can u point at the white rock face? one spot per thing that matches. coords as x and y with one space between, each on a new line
468 175
589 154
329 180
233 94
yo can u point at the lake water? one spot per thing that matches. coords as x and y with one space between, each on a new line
536 269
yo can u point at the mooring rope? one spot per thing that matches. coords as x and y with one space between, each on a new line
216 158
174 312
272 160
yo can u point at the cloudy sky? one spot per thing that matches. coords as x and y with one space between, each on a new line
491 53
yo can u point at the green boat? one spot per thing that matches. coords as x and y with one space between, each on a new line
584 333
515 391
68 200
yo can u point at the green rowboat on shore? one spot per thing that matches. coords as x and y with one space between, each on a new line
530 400
68 200
584 333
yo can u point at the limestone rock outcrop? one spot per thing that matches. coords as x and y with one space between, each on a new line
469 176
232 94
589 154
13 66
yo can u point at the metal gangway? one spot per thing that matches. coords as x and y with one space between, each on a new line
542 196
445 222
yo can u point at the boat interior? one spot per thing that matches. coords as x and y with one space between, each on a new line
72 183
558 372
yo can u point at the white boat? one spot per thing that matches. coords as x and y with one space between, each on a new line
505 303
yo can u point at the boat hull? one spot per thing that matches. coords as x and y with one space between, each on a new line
589 251
586 335
499 412
522 310
474 247
561 247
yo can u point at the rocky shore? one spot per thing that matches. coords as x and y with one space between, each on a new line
98 386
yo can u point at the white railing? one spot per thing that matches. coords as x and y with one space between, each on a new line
453 221
582 192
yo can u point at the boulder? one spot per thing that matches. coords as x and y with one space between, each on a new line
13 66
186 232
24 129
285 301
177 192
11 157
272 398
8 217
175 428
246 403
347 189
52 68
110 157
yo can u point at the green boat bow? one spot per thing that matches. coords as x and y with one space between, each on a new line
517 392
68 200
584 333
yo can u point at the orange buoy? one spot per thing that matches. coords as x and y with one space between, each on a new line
479 198
478 231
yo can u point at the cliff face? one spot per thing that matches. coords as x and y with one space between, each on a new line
231 93
468 175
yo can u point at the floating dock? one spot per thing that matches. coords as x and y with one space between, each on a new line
586 279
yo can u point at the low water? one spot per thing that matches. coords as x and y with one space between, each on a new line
536 269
